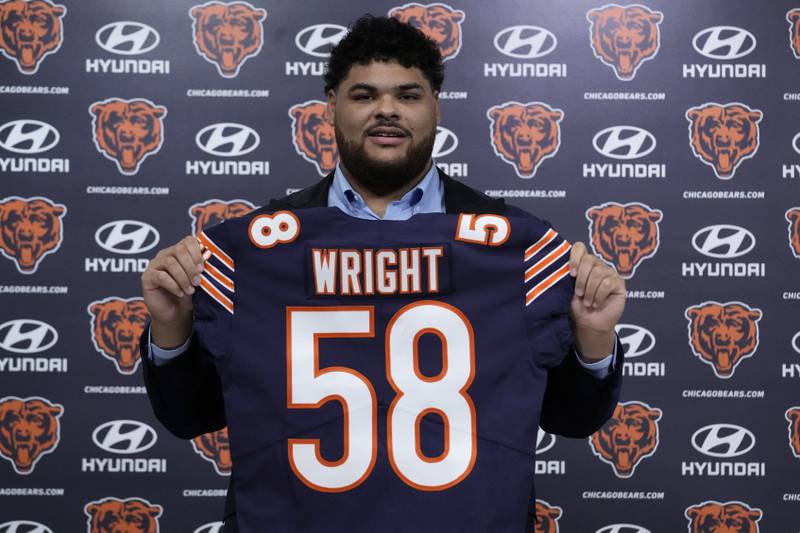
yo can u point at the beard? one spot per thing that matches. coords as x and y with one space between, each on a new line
384 177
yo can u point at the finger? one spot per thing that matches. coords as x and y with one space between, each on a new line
596 277
578 251
164 280
194 248
604 289
582 276
174 268
190 267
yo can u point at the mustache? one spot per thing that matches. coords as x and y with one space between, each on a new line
383 123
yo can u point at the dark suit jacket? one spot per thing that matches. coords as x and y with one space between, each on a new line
186 393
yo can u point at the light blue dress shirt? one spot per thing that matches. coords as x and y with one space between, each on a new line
426 197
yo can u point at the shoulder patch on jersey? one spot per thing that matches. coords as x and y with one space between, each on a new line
217 267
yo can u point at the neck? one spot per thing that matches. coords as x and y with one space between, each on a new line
379 202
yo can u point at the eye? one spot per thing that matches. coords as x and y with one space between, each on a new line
409 96
436 25
362 96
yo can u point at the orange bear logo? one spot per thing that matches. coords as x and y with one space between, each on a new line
630 435
523 135
439 22
722 136
313 136
113 515
116 326
721 335
728 517
29 30
793 216
215 448
29 428
227 34
793 16
30 228
624 234
547 517
624 37
793 416
127 131
212 212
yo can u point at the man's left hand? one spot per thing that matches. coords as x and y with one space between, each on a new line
597 303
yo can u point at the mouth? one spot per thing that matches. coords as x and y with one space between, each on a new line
725 160
387 135
229 57
129 155
624 457
28 54
724 357
24 455
625 259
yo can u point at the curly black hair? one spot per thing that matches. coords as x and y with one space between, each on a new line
384 39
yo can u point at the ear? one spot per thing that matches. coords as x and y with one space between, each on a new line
755 115
159 111
553 513
593 15
92 509
55 410
58 210
330 106
755 314
556 115
197 12
154 510
693 312
594 214
693 114
58 11
655 215
495 113
793 15
654 414
792 215
457 16
97 109
196 211
438 107
692 512
656 17
96 309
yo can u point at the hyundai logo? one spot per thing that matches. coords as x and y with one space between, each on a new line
126 237
624 142
724 42
796 342
544 441
622 528
796 143
635 339
24 526
525 42
124 436
26 335
317 40
127 38
723 241
723 440
28 136
445 144
227 139
212 527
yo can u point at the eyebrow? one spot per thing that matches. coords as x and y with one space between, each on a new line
372 88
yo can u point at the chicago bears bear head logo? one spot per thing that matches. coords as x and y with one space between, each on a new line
721 335
630 435
547 517
624 234
113 515
29 30
793 416
227 34
116 326
127 131
215 448
793 216
439 22
313 135
523 135
722 136
212 212
30 229
29 428
623 37
793 16
728 517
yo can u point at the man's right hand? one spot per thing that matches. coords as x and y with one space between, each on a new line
167 286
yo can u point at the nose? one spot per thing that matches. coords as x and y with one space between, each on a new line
386 107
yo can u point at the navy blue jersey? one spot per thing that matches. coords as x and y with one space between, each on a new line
383 376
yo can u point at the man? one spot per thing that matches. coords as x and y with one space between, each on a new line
382 88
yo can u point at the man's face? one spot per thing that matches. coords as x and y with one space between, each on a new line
385 118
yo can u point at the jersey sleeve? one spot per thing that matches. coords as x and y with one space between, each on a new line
213 300
548 289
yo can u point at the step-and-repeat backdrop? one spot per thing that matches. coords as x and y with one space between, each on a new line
662 134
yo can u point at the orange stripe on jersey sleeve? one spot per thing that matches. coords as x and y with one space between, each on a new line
223 280
545 284
541 243
212 291
216 250
547 261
